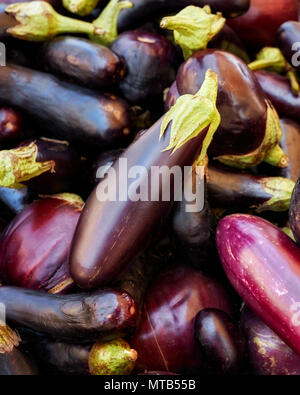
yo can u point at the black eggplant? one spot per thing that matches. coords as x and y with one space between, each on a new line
65 110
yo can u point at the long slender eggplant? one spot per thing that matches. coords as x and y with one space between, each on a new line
101 358
288 36
259 25
80 60
34 249
229 188
118 223
144 10
262 263
268 354
65 110
249 132
151 62
81 317
165 338
294 218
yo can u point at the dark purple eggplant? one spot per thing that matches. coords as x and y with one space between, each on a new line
172 96
65 110
102 358
144 10
13 362
268 354
288 37
294 217
262 263
34 249
151 62
112 231
81 317
103 161
10 125
220 341
249 132
229 188
80 60
165 338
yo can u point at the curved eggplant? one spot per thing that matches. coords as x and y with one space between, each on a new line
80 60
77 317
144 10
151 62
65 110
165 338
262 263
294 212
268 354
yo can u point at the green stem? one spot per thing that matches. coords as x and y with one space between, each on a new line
261 64
70 25
276 157
293 81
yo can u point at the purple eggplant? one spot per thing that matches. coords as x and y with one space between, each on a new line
15 200
65 110
294 218
268 354
249 132
10 125
151 62
262 263
172 96
144 10
113 230
288 36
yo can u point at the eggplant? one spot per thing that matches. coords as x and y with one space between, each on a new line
103 161
113 230
165 338
278 90
10 125
114 357
258 27
262 264
228 188
34 248
268 354
249 132
294 212
13 362
144 10
171 96
15 200
65 110
221 343
151 62
81 61
288 36
79 318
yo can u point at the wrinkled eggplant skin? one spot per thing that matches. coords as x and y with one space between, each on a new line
81 61
10 125
288 34
241 102
294 213
16 363
278 90
262 263
144 10
268 354
258 27
165 338
65 110
34 248
151 62
221 343
78 318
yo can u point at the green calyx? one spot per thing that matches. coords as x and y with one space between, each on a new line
272 59
38 21
19 165
106 23
192 114
8 339
280 189
71 198
289 232
112 358
80 7
269 151
193 28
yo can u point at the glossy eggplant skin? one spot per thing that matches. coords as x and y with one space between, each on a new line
10 125
268 354
278 90
110 234
241 102
34 248
220 341
151 62
262 263
104 160
16 363
65 110
165 339
294 212
78 318
144 10
82 61
288 34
